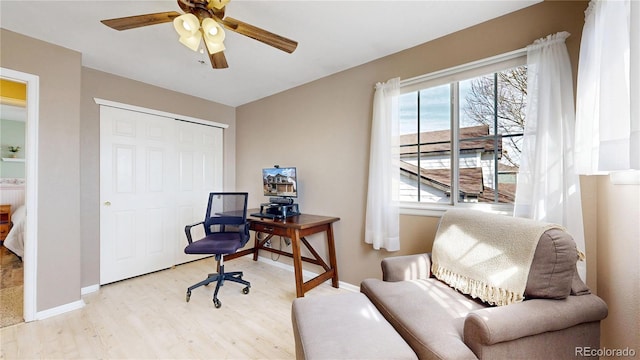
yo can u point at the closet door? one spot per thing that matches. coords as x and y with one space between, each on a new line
142 168
200 172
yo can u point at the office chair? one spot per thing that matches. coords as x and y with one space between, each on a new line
226 231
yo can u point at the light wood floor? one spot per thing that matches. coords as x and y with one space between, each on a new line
147 318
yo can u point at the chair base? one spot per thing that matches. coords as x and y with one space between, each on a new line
220 278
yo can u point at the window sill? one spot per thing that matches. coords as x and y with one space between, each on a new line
436 210
628 177
13 159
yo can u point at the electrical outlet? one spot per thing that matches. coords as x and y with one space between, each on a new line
267 243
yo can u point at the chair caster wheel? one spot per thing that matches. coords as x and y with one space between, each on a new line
217 303
188 295
245 290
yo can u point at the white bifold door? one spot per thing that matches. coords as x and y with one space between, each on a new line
155 177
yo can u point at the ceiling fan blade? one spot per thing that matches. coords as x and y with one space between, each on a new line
256 33
218 60
132 22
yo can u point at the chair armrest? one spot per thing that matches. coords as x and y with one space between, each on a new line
187 230
494 325
407 267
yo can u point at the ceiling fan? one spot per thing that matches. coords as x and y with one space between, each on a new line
204 20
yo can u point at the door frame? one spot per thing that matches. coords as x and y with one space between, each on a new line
30 258
166 114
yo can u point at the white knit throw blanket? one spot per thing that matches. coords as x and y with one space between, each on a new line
486 256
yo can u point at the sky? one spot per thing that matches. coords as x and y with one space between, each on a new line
436 111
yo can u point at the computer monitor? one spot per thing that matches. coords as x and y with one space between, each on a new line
280 182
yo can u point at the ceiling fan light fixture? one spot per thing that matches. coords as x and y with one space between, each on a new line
213 36
218 4
214 47
191 32
192 42
213 31
188 27
186 24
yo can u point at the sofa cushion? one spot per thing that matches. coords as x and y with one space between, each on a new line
553 267
427 314
344 326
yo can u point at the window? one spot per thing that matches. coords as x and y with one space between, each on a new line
461 133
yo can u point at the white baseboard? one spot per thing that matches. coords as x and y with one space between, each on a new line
348 286
41 315
68 307
306 274
89 289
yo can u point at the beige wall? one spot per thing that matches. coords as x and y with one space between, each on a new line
58 268
323 128
97 84
69 188
618 273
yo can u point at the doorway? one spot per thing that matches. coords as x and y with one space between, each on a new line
29 259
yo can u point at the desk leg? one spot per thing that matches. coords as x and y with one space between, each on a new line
297 262
256 246
332 256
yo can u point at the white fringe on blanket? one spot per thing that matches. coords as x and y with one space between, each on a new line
486 256
478 289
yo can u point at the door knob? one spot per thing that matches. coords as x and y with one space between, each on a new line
107 203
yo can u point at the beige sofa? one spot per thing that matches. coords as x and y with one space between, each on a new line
412 314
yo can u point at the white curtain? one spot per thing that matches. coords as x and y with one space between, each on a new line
548 184
607 134
383 216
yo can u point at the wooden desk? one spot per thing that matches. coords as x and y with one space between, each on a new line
296 228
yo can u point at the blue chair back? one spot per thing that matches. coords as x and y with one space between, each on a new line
227 212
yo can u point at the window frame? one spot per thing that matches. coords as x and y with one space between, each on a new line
453 76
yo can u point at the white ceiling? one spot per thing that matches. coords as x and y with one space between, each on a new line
332 36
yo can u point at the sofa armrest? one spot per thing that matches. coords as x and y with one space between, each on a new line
494 325
407 267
